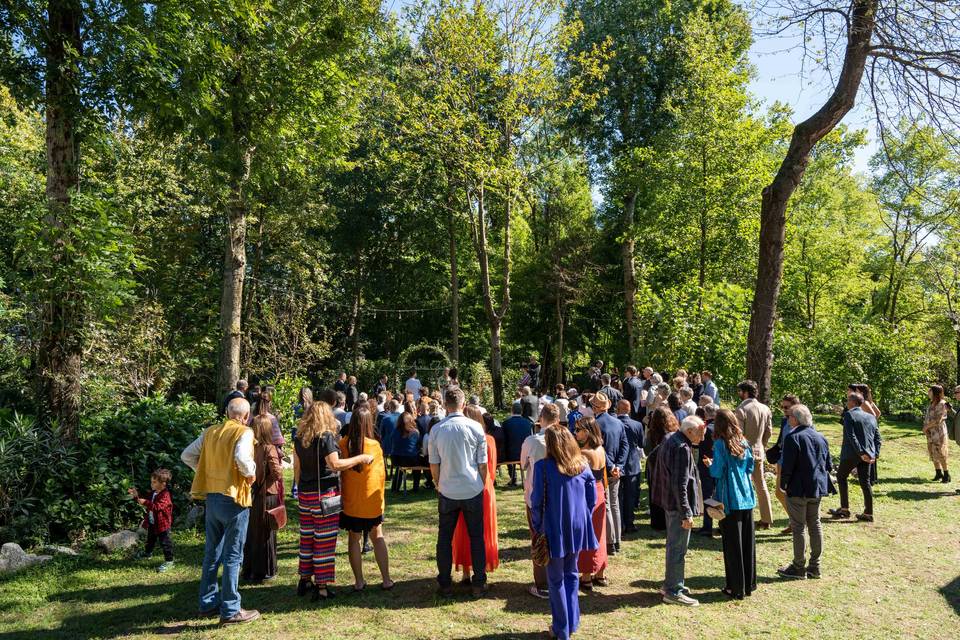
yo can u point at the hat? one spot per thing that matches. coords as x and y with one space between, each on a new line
600 401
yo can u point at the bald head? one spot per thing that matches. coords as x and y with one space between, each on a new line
238 409
623 407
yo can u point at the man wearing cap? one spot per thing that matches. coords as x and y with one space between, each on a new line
617 449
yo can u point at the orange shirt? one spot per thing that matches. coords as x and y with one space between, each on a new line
363 492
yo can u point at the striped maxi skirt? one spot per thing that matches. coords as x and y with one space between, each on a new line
318 538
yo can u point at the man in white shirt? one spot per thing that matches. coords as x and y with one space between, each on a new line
458 463
412 385
533 450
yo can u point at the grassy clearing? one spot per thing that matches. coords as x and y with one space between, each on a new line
899 577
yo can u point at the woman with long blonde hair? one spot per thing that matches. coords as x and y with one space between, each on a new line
563 497
316 465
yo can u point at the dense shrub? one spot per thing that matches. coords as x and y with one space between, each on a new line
52 490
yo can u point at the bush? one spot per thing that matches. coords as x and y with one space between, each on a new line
70 491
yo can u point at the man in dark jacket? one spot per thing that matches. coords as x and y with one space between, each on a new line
681 499
630 480
612 394
861 444
516 429
805 477
633 392
617 448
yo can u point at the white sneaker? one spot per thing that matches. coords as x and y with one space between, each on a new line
681 599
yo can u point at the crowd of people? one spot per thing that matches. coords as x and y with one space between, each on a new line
581 455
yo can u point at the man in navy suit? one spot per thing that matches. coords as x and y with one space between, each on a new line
861 444
616 446
516 429
633 391
630 480
805 477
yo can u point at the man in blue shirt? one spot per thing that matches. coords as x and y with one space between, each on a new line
630 481
805 477
861 444
388 424
516 429
617 449
709 387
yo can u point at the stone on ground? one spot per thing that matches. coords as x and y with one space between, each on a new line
13 558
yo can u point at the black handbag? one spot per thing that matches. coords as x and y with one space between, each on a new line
773 454
329 505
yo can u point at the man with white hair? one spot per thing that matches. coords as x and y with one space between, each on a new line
222 461
682 501
804 475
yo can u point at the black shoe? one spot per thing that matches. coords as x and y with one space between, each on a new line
616 547
939 476
813 574
367 548
946 477
479 590
303 586
792 573
445 592
706 533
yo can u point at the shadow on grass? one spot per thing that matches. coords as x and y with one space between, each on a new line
951 593
908 495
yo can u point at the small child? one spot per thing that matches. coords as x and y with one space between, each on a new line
159 517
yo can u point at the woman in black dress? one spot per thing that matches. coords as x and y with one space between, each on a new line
260 548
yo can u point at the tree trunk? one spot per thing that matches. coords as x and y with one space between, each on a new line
629 275
558 362
454 287
353 329
250 294
496 362
61 345
234 266
777 195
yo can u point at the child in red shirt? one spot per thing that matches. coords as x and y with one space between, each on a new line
159 517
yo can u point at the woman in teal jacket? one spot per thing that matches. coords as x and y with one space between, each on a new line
732 466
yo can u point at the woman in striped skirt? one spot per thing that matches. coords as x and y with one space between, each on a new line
316 465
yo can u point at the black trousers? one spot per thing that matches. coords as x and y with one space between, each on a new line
863 477
449 511
406 461
166 543
629 499
739 552
512 472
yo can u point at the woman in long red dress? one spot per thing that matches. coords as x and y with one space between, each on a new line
461 539
593 563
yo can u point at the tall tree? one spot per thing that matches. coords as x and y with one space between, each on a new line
239 76
913 50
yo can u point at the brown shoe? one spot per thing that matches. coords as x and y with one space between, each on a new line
865 517
763 525
241 617
786 532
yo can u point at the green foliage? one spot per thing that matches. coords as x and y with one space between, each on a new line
58 491
285 397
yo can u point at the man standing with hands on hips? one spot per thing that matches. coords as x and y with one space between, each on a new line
756 421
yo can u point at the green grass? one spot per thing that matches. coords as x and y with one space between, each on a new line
899 577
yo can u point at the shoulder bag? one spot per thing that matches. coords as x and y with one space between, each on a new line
540 548
329 505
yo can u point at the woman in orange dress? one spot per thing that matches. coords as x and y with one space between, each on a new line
461 539
592 563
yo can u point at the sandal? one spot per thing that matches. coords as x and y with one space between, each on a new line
601 582
361 587
727 591
384 586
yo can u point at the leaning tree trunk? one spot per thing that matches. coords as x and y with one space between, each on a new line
234 267
776 196
61 347
629 272
496 361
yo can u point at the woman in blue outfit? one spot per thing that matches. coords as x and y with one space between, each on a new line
732 466
564 494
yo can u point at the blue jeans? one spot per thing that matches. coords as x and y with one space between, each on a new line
564 580
226 532
678 539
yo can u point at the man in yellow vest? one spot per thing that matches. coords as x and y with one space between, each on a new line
222 459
